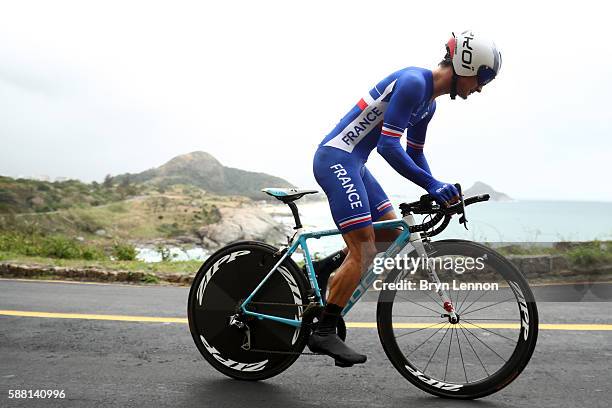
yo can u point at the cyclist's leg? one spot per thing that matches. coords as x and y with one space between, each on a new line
325 267
381 209
361 251
340 177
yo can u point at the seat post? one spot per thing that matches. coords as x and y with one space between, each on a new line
296 215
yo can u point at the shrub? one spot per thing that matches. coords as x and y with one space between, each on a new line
90 253
84 221
57 246
590 254
60 247
170 230
124 251
166 254
150 278
117 208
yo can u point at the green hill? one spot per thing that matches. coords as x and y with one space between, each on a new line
202 170
26 196
198 169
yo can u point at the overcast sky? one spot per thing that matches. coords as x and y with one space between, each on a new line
89 88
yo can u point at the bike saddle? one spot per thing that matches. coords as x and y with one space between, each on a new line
287 195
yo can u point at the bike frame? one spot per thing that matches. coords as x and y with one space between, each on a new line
401 244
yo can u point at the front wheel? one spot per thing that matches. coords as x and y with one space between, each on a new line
227 278
481 352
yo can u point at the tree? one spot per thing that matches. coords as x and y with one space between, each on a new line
108 181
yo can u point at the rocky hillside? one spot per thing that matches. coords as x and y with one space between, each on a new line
181 215
202 170
481 188
25 196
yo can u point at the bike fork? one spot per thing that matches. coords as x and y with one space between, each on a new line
417 243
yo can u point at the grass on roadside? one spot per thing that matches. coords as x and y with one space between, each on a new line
182 267
588 253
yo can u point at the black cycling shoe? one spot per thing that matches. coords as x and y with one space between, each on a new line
333 346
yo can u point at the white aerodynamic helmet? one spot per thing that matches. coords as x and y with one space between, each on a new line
473 55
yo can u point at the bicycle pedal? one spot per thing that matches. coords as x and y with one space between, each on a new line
342 364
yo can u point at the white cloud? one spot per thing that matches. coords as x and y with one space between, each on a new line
88 88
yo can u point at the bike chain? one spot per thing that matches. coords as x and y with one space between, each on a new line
305 306
278 304
304 353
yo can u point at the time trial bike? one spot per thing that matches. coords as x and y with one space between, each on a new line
453 327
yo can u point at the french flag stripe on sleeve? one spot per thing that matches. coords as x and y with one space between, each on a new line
355 220
390 126
387 131
384 205
415 145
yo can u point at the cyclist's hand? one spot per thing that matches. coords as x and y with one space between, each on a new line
445 194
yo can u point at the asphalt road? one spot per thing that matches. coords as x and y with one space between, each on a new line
116 363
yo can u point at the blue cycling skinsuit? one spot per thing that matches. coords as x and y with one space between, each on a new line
401 101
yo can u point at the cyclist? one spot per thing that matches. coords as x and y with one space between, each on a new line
403 101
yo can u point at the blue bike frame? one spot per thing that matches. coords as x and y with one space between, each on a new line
366 280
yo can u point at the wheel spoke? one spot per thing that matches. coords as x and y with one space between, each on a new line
477 299
484 307
426 340
464 299
433 299
474 351
428 308
418 330
461 354
437 347
490 331
485 344
450 343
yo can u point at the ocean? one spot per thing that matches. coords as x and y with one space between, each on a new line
494 221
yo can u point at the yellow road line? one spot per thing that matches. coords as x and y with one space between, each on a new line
353 325
119 318
74 282
135 284
542 326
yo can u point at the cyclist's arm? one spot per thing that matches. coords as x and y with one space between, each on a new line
415 141
406 96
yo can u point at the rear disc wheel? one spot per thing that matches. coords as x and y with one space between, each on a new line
227 278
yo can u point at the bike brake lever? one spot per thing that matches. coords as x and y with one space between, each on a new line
463 219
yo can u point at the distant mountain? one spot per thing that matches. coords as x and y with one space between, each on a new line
481 188
202 170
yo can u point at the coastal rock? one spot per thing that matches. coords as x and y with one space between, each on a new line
188 239
532 265
481 188
242 223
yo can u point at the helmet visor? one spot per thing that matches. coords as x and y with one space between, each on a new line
485 75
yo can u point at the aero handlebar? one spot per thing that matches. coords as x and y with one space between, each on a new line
426 205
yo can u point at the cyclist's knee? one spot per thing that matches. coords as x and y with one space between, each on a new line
368 253
361 246
361 255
